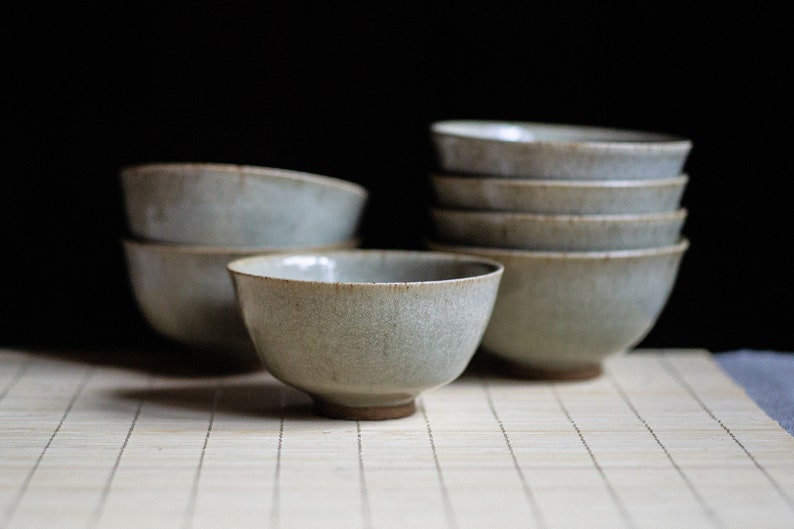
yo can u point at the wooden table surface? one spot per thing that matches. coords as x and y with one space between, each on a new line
661 439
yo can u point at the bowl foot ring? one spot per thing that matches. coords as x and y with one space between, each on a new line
364 413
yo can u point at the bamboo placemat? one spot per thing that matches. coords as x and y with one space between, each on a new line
662 439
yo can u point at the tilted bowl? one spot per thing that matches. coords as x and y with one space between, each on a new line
366 331
233 205
529 231
556 197
185 295
560 315
555 151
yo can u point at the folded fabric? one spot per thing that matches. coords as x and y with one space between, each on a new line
768 379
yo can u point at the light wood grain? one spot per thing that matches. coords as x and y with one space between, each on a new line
662 439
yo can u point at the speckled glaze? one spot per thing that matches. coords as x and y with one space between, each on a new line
239 206
527 231
559 197
185 294
559 315
365 331
555 151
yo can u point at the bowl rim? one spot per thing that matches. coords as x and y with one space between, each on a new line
495 253
680 180
495 267
133 170
196 249
680 213
653 140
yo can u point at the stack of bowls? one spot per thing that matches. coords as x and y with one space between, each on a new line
187 221
587 222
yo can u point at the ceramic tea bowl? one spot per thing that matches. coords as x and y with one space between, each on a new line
559 197
366 331
555 151
529 231
239 206
560 315
185 295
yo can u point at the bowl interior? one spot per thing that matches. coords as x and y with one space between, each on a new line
544 132
365 267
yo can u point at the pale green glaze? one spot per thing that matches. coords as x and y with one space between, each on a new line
232 205
185 294
579 197
555 151
366 328
529 231
569 311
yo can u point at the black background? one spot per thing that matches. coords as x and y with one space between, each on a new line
349 92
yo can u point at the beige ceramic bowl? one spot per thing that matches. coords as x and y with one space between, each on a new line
185 294
559 197
365 331
559 315
528 231
556 151
239 206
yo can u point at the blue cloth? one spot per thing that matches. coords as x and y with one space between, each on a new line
768 379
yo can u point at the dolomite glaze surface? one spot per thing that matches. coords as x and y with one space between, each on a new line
568 233
366 331
185 294
555 151
559 197
234 206
559 315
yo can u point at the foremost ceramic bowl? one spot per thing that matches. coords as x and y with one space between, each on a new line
559 197
232 205
528 231
559 315
364 332
185 294
556 151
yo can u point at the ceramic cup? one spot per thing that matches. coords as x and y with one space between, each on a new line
185 295
559 315
555 151
366 331
569 233
559 197
239 206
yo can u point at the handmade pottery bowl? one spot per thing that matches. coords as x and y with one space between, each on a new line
366 331
232 205
559 197
185 295
556 151
559 315
529 231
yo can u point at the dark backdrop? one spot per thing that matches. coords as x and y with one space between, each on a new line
350 92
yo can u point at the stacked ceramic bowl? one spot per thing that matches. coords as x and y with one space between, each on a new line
187 221
587 222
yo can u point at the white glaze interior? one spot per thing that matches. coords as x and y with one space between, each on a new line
363 267
544 132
